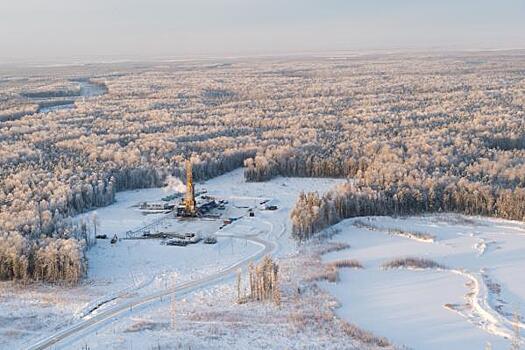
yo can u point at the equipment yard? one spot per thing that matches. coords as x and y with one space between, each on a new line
136 271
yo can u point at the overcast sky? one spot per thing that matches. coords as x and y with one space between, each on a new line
69 29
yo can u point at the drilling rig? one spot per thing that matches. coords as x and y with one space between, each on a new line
189 207
189 199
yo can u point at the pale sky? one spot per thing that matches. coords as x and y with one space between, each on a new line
72 29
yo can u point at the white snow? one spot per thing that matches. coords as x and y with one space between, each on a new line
133 267
464 307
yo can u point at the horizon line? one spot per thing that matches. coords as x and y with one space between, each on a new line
102 59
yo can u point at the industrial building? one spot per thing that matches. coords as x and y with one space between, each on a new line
156 206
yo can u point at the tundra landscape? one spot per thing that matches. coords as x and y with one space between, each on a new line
328 201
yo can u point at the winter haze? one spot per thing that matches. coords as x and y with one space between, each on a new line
33 30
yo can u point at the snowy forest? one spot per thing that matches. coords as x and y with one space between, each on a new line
412 133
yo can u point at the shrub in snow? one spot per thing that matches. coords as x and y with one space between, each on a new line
413 263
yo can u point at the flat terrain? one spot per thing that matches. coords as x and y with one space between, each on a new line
134 268
464 305
415 133
468 303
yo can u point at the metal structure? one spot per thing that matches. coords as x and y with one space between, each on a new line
153 226
190 208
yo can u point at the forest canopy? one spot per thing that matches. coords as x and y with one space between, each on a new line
412 133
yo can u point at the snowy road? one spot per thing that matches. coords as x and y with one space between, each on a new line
83 327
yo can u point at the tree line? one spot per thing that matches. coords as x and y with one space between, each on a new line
313 213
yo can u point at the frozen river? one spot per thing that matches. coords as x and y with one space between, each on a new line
87 89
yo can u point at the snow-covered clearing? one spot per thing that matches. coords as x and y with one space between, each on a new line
464 306
132 268
211 319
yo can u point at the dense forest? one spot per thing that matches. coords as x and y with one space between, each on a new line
412 133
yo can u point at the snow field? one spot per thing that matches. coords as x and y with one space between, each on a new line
131 268
462 307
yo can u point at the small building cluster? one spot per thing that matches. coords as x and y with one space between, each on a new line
156 206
